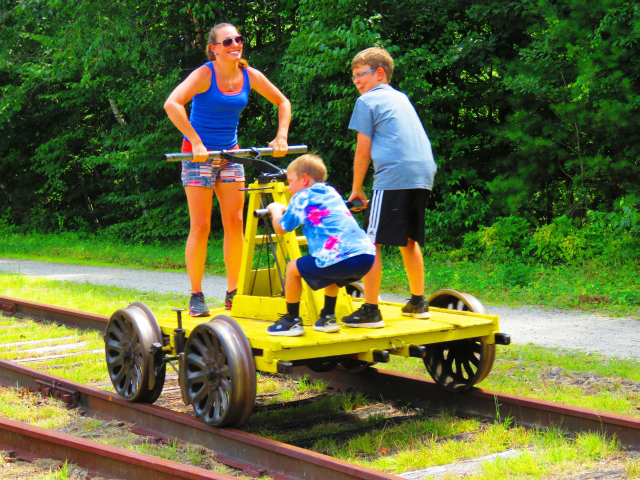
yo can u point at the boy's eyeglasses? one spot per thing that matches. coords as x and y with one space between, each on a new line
227 42
358 75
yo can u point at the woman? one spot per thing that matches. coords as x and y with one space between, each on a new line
219 91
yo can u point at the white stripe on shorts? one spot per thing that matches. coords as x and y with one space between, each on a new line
374 214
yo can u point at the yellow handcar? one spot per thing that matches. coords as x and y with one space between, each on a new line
217 360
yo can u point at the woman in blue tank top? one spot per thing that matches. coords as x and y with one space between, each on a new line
218 91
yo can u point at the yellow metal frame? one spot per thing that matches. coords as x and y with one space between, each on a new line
254 298
260 301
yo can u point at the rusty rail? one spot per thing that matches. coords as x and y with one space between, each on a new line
250 453
28 442
480 403
64 316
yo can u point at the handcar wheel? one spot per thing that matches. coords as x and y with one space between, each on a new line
355 289
460 364
251 384
354 366
321 366
220 373
130 334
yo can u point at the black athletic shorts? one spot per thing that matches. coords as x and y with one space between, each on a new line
395 216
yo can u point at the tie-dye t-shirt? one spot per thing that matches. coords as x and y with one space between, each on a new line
332 232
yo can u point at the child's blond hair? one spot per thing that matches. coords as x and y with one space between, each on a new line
310 164
375 57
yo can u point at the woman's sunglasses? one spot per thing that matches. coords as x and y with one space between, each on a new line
227 42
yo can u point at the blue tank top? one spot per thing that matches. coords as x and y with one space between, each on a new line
215 115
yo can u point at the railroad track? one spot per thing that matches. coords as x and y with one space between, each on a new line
256 455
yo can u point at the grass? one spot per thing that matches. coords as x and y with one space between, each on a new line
595 286
49 413
88 249
556 375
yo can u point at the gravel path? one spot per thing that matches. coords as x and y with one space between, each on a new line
615 336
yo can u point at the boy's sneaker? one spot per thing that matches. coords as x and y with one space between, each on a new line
228 299
327 324
197 307
287 327
420 310
367 316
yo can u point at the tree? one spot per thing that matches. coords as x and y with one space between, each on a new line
574 92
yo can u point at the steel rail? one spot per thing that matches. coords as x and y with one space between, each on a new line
28 442
64 316
251 453
481 403
423 392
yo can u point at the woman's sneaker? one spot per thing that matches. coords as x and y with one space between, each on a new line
420 310
367 316
197 306
326 323
287 327
228 299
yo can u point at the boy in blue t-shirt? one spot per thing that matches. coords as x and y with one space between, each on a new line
391 135
339 250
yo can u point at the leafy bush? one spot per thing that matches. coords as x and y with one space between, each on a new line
555 243
506 238
450 219
611 236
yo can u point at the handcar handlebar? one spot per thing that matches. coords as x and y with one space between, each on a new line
241 152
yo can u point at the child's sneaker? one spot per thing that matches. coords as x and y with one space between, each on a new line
420 310
367 316
197 307
326 323
286 327
228 299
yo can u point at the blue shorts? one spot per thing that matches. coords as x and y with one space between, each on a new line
342 273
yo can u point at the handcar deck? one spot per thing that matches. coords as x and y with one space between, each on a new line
399 333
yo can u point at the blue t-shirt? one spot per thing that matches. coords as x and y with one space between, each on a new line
332 233
400 149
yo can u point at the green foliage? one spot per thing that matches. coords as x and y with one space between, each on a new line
610 237
505 238
453 216
531 108
574 90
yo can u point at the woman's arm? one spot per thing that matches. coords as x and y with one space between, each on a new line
268 90
197 82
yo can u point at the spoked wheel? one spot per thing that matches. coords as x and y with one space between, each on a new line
355 289
354 366
130 334
321 366
460 364
220 374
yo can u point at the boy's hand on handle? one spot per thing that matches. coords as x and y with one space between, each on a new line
280 146
276 208
358 195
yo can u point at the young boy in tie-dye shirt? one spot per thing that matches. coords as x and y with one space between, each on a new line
339 250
